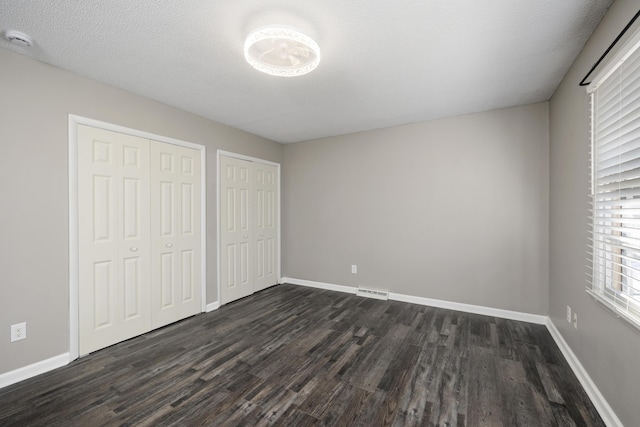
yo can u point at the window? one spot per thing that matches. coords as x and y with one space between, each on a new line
615 175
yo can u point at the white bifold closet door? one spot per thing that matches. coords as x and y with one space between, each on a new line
248 227
139 236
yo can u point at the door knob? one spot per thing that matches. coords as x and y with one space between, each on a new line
134 249
261 234
245 235
169 245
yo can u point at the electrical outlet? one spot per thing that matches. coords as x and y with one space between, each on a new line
18 331
354 269
568 314
575 320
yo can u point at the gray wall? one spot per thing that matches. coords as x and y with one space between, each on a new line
453 209
36 99
607 347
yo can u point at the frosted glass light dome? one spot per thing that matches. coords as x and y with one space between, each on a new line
281 51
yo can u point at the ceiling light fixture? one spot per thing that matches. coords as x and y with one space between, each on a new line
281 51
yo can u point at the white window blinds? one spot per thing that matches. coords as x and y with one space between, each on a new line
615 278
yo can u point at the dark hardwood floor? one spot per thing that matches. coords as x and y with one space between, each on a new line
297 356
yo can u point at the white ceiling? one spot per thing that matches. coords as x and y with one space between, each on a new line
384 62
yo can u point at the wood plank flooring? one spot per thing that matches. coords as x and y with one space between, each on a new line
296 356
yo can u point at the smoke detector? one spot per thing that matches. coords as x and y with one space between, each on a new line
18 38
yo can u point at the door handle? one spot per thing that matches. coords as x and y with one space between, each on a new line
261 234
245 236
133 249
169 245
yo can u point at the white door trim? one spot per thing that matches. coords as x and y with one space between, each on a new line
278 237
74 121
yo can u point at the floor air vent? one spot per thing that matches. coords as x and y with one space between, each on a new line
372 293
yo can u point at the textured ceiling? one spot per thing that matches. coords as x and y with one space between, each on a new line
384 62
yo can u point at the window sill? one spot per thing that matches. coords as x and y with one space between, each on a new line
631 320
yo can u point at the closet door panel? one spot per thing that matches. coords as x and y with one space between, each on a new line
265 226
114 246
175 229
235 229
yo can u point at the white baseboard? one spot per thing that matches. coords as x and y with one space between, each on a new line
468 308
212 306
34 369
608 416
319 285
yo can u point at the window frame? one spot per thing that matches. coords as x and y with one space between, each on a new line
609 258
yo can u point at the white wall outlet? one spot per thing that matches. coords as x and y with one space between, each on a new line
575 320
354 269
18 331
568 314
